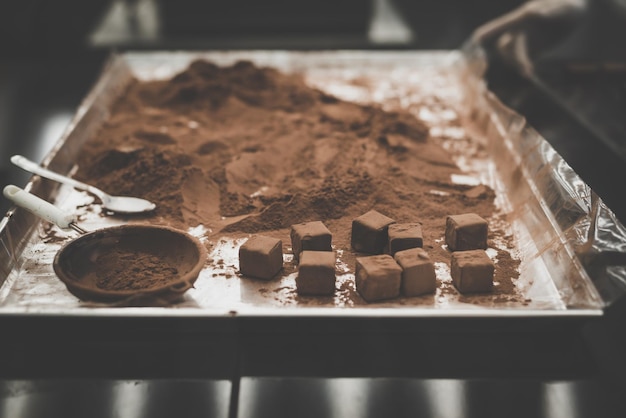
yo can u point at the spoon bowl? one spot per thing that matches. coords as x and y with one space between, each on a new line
117 204
126 204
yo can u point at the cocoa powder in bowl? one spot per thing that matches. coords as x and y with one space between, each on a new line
130 261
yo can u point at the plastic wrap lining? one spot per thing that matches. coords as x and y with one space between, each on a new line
588 225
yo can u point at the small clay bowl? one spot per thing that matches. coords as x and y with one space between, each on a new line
134 262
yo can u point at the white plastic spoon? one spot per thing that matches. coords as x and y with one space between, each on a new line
117 204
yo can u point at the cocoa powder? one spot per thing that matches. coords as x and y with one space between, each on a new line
132 270
242 149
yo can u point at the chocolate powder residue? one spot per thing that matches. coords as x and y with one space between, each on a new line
132 270
243 150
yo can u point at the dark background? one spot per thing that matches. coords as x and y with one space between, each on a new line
52 52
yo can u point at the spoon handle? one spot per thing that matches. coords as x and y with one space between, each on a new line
32 167
39 207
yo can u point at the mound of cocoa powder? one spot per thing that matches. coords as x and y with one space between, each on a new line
243 149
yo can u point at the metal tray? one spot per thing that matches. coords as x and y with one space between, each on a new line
561 229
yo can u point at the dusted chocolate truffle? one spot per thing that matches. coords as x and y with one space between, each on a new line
369 232
466 232
316 273
404 236
472 271
261 257
378 277
418 272
313 236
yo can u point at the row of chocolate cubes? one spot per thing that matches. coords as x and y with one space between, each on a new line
397 265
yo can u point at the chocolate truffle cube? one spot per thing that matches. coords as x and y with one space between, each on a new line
472 271
261 257
378 277
418 272
310 236
404 236
369 232
466 232
316 273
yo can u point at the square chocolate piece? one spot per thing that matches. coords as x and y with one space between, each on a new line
261 257
369 232
405 236
466 232
418 272
316 273
472 271
378 277
310 236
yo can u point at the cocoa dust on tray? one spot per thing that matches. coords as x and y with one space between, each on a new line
245 150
